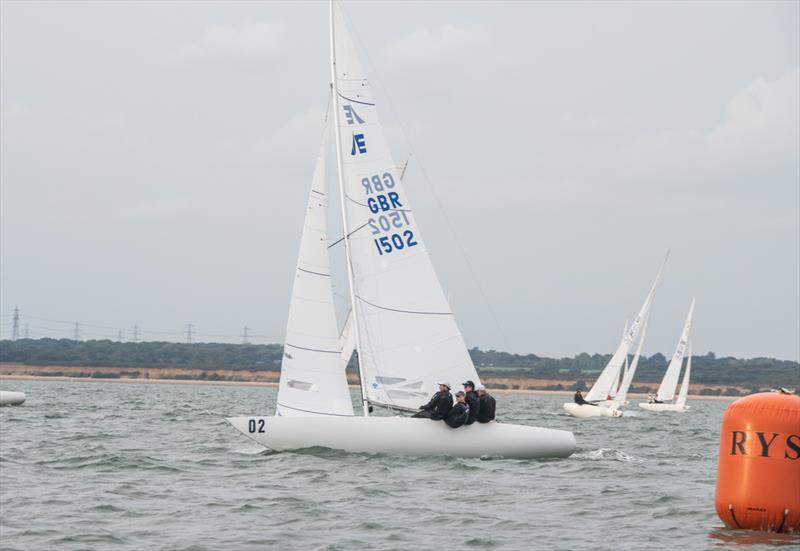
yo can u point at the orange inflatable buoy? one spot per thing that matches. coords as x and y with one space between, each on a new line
758 480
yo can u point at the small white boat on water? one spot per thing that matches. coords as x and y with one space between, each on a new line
606 398
400 322
11 398
663 400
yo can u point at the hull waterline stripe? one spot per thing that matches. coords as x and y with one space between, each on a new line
313 349
404 311
315 412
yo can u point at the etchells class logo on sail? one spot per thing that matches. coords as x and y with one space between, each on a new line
359 141
351 116
359 144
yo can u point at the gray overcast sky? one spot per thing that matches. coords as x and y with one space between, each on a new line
156 158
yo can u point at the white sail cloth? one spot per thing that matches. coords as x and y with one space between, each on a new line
666 390
684 393
622 393
407 336
313 379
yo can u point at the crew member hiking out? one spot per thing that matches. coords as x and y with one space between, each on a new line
459 413
472 402
486 405
439 405
580 401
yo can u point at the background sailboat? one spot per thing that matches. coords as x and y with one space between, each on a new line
607 380
666 390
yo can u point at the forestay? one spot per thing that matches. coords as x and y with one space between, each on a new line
313 380
609 376
666 391
407 336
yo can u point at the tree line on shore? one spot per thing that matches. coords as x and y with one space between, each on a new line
706 369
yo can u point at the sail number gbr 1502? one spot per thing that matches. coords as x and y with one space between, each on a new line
390 218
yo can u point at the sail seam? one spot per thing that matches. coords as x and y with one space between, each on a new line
353 100
315 273
313 349
404 311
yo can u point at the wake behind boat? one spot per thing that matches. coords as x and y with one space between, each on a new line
399 323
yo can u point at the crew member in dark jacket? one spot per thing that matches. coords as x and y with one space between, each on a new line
580 400
472 401
486 405
439 405
459 413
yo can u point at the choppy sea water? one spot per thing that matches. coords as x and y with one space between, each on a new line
138 466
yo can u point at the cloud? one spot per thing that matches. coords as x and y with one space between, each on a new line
299 138
762 122
761 127
446 44
250 41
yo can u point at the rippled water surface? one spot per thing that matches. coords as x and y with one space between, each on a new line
137 466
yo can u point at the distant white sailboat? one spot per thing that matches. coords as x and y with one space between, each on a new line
602 404
11 398
666 390
400 322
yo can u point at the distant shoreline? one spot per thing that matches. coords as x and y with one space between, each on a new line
123 380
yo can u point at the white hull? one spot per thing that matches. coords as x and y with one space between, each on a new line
664 407
9 398
406 436
577 410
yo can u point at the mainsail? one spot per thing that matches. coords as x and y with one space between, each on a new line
685 383
406 335
622 393
608 377
666 391
313 380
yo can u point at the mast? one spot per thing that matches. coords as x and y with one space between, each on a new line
345 226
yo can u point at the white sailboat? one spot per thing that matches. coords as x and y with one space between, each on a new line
11 398
602 403
666 391
400 323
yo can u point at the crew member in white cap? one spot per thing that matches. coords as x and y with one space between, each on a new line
439 405
486 404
